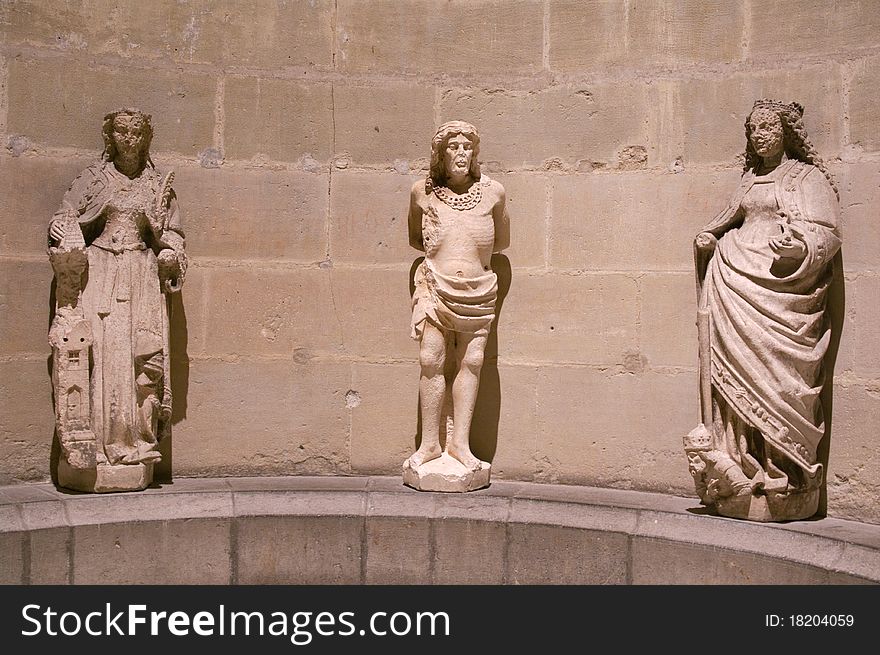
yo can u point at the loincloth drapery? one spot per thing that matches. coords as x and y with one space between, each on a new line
453 303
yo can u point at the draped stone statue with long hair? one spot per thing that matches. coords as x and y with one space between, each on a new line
117 248
764 266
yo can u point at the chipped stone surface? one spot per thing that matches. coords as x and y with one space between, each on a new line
17 144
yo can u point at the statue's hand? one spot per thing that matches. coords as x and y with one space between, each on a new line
790 243
706 242
56 231
169 270
172 286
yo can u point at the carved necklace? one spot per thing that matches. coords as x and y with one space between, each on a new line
462 201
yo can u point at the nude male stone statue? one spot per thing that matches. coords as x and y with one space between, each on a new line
458 218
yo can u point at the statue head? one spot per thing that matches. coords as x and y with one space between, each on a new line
772 120
128 133
466 145
765 132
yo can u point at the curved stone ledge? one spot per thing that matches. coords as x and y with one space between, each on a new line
352 530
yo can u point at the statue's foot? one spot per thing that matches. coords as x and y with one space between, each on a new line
142 457
424 454
466 457
150 457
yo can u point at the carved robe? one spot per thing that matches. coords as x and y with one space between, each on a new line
124 303
768 331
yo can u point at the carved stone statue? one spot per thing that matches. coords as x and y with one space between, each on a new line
457 217
117 249
764 266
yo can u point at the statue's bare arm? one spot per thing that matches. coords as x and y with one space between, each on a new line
416 202
502 220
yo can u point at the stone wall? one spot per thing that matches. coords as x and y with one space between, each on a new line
295 130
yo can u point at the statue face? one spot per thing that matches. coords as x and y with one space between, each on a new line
128 135
767 135
457 156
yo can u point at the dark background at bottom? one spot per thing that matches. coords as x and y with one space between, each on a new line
716 619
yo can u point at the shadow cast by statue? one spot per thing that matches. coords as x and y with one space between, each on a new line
834 312
179 335
55 450
487 412
417 437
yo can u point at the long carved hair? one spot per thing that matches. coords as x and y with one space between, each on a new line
797 143
107 132
437 172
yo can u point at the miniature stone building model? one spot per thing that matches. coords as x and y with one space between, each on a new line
71 370
71 338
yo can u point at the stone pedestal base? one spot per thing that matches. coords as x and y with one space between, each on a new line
446 474
770 507
106 478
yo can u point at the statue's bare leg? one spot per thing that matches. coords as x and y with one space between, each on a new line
432 388
469 351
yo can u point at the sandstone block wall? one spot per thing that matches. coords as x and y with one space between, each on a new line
296 129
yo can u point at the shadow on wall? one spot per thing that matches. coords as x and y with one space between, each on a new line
179 337
487 412
484 429
55 452
835 312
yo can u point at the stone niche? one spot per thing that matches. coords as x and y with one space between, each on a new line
295 160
